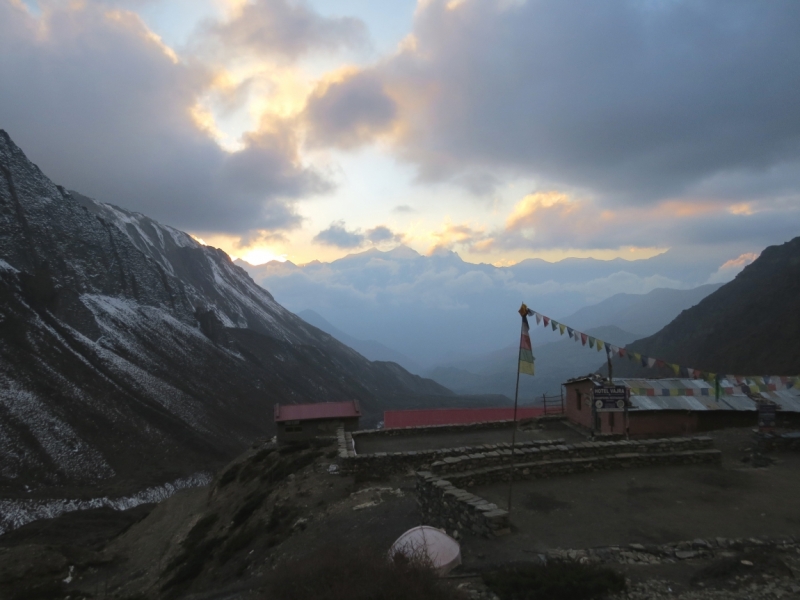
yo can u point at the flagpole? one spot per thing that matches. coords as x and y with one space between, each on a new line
514 427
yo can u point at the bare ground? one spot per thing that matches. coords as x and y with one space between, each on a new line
135 555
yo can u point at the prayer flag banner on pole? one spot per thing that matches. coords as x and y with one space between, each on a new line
525 350
753 383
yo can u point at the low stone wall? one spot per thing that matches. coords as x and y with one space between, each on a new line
458 512
502 455
550 468
383 464
778 442
424 429
670 553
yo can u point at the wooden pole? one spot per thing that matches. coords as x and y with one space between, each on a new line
514 426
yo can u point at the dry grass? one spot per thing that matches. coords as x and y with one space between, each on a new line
337 573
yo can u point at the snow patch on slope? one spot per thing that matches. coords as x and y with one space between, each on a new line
16 513
59 441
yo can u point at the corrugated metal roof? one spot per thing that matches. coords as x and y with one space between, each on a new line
697 394
321 410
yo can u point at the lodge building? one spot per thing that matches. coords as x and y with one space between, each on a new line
666 407
298 422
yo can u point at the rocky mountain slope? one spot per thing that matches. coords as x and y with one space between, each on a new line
131 354
750 326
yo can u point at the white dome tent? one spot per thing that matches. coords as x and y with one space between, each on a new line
443 551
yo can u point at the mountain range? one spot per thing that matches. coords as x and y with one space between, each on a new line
131 354
438 308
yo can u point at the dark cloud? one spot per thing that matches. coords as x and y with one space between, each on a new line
403 209
634 101
584 225
105 109
349 112
382 234
283 28
338 235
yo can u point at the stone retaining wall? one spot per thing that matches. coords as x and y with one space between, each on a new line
501 455
383 464
458 512
669 553
455 428
549 468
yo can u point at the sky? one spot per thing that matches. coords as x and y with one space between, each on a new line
500 129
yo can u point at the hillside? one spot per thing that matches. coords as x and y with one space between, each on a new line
131 354
750 326
556 362
371 349
643 314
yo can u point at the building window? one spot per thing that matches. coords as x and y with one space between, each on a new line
293 428
579 400
611 420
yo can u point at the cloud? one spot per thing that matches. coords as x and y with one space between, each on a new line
338 236
552 219
287 29
732 267
348 111
403 209
105 108
634 102
382 234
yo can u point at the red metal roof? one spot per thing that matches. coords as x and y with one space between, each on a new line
320 410
395 419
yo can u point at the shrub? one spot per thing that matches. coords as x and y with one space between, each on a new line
554 581
252 502
229 475
339 573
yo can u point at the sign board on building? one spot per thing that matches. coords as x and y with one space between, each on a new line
610 397
766 415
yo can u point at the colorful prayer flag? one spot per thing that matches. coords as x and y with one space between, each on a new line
561 328
525 350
